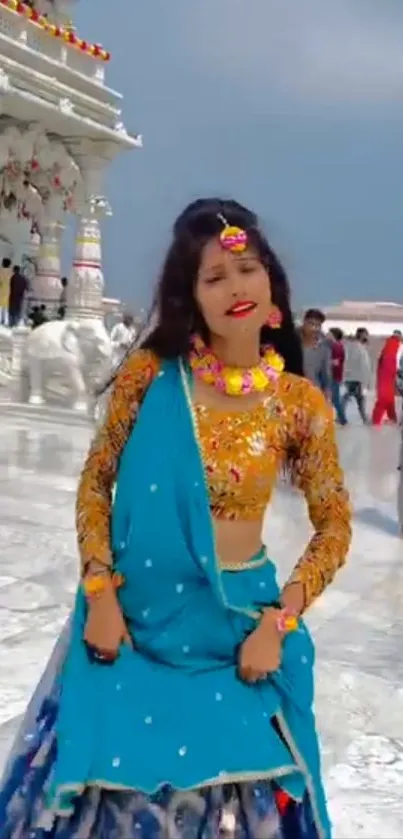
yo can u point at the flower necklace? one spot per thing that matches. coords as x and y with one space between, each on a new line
234 381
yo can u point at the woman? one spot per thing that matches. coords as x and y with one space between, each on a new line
183 704
388 363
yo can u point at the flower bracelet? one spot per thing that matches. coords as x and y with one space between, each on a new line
287 620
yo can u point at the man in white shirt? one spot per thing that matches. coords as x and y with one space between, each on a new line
357 372
122 336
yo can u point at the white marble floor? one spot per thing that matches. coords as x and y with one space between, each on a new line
358 623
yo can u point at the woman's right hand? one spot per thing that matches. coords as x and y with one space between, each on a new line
105 628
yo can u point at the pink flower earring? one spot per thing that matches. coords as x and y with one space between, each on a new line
275 318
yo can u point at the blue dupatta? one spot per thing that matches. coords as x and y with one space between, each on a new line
173 710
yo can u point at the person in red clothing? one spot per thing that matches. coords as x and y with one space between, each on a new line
338 355
386 380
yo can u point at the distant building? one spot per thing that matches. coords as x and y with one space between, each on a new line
381 319
112 306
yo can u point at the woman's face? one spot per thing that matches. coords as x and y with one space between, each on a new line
232 291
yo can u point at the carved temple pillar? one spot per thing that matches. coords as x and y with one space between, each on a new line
46 285
86 285
85 289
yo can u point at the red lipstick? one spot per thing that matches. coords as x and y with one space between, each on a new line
241 309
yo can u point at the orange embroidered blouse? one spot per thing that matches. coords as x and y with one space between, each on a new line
242 453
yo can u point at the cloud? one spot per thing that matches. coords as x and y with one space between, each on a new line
326 50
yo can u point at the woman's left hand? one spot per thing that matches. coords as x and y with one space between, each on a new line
260 654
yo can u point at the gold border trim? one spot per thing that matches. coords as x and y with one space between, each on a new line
304 769
223 778
245 566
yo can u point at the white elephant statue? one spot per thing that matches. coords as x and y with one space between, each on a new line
74 351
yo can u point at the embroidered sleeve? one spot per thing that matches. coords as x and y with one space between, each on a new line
94 497
319 475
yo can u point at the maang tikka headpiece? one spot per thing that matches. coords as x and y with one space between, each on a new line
232 238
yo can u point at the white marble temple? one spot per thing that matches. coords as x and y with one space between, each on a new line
357 624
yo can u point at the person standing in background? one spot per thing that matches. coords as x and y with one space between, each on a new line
5 277
357 372
399 387
18 289
316 350
122 337
338 355
388 365
399 391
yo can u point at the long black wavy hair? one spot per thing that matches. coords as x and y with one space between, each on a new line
175 315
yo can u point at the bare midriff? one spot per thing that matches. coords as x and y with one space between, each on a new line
236 541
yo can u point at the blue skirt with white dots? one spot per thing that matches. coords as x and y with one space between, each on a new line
241 810
122 796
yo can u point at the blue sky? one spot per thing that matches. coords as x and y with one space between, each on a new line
292 106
